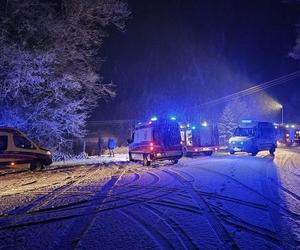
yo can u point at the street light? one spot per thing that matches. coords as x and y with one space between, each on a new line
281 107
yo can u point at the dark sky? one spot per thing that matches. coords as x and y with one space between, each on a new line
180 53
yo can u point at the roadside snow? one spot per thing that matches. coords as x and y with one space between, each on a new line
123 158
218 202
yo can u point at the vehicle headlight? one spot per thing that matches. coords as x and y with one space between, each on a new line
48 153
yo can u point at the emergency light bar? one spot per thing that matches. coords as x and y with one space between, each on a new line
246 121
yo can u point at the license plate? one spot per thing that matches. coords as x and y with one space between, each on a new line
206 149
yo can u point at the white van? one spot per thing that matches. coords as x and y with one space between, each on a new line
252 137
16 148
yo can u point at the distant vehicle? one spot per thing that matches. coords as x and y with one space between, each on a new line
156 140
252 137
288 134
16 148
199 139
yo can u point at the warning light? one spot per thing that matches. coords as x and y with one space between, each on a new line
154 118
173 118
246 121
204 124
194 127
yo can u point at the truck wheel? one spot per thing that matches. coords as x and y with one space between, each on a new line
185 154
272 150
146 162
174 161
232 152
254 153
208 153
36 166
130 156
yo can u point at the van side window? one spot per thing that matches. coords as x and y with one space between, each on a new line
22 142
3 143
267 132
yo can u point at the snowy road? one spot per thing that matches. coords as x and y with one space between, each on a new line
219 202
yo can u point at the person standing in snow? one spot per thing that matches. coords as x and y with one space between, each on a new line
100 145
111 146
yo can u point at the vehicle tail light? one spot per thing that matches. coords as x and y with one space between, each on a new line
151 148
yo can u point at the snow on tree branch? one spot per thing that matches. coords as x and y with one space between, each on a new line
48 79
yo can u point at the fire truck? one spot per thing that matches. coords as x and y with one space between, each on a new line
288 134
199 138
155 140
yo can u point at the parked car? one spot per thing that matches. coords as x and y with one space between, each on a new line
16 148
252 137
156 140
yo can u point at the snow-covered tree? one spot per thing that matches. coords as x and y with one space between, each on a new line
230 118
49 62
227 125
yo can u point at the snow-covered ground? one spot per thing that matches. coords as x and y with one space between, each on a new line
219 202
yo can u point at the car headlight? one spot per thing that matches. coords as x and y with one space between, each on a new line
48 153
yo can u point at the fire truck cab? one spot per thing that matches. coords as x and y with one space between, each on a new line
156 140
199 139
288 134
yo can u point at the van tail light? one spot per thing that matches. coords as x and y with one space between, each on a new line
151 146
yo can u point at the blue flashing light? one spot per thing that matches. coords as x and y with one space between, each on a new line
193 127
246 121
173 118
154 118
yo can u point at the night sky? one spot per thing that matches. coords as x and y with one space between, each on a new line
180 53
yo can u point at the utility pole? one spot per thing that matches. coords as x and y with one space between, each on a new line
282 114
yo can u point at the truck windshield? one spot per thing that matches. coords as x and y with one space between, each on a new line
167 134
245 132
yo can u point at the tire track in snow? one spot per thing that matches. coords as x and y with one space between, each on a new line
239 223
185 240
9 220
213 220
59 191
284 210
234 200
14 172
281 228
75 233
149 229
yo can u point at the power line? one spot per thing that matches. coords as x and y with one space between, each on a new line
252 90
